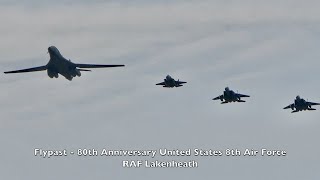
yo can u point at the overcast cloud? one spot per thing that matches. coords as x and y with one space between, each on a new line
267 49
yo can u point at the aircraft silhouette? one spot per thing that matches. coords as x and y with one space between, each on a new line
230 96
169 82
60 65
301 105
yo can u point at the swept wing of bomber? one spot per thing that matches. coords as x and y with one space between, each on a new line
60 65
301 105
169 82
230 96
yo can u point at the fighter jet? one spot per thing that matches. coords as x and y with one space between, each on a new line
230 96
301 105
169 82
60 65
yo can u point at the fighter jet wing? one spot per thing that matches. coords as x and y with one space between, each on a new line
180 82
96 66
162 84
242 95
289 106
218 98
313 104
40 68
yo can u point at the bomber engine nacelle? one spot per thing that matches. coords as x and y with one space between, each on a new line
78 72
52 74
75 72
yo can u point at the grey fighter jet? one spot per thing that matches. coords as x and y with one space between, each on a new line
301 105
169 82
60 65
230 96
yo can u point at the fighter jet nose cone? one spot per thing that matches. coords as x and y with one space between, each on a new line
50 48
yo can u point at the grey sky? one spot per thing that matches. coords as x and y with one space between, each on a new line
268 49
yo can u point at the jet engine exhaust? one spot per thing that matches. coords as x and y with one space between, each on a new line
52 74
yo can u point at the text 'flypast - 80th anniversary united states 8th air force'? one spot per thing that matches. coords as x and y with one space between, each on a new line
162 152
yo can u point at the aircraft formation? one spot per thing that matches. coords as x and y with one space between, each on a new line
60 65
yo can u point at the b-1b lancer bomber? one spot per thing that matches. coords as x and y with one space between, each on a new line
301 105
60 65
169 82
230 96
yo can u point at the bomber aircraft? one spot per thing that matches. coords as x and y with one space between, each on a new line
301 105
60 65
169 82
230 96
